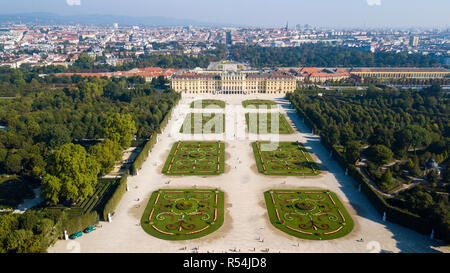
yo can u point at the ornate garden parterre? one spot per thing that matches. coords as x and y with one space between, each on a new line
286 158
308 214
203 123
210 104
195 158
263 123
183 214
267 104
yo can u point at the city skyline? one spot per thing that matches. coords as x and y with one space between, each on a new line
252 13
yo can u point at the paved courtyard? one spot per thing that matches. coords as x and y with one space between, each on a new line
246 227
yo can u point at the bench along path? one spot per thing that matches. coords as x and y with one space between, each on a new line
247 226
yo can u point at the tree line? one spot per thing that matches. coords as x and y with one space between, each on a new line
384 125
64 138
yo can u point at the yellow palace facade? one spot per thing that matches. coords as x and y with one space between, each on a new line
401 73
242 82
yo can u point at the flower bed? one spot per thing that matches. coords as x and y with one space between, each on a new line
183 214
288 158
308 214
196 158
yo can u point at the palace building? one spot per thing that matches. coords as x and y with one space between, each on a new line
318 75
401 73
233 82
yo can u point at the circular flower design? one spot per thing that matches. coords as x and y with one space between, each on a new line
304 205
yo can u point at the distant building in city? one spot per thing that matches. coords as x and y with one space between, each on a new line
414 41
148 73
229 40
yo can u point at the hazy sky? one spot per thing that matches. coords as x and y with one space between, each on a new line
347 13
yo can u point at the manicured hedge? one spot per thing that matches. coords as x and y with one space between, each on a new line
79 222
393 214
142 156
112 203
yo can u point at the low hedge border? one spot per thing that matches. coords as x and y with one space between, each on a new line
80 222
112 203
146 149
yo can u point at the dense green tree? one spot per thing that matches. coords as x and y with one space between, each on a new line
89 90
322 55
419 200
387 181
413 167
347 134
120 128
380 154
403 140
8 223
381 136
84 61
420 136
22 241
3 154
106 154
333 134
51 189
76 172
13 163
55 135
413 124
434 90
352 151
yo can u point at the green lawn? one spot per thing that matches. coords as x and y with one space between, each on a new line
203 123
210 104
182 214
195 158
264 123
308 214
287 158
258 103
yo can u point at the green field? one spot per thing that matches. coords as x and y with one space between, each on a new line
210 104
264 124
203 123
308 214
287 158
195 158
183 214
258 103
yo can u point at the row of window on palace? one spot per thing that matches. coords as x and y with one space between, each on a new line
404 75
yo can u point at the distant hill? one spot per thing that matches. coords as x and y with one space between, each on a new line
41 18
